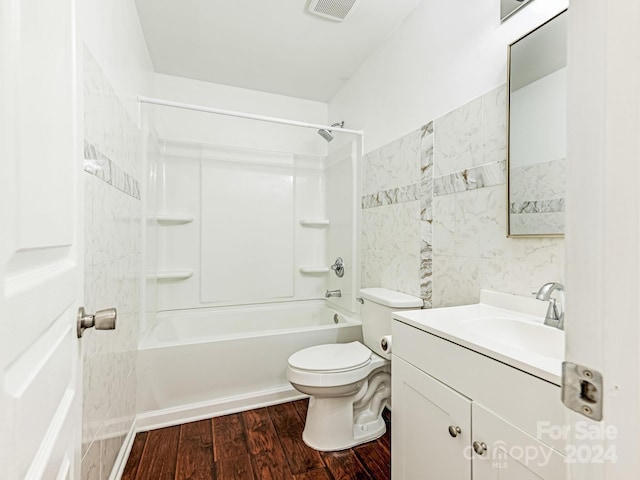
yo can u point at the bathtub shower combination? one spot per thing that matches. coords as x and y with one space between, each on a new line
196 364
240 241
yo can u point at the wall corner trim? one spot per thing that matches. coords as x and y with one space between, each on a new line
123 455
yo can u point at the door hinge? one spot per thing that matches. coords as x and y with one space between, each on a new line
582 390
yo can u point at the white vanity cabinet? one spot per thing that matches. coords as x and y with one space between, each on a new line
423 411
448 400
510 453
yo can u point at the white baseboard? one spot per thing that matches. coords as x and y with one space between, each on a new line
199 411
123 455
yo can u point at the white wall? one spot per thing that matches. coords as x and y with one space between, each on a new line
111 31
442 56
222 130
116 67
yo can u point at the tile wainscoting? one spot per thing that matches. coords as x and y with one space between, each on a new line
434 212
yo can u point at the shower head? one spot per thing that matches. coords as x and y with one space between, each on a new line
326 134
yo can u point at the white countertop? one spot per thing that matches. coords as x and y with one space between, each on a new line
507 328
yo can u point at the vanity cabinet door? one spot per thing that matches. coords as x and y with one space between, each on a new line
424 409
510 453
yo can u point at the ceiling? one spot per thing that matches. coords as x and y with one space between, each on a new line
268 45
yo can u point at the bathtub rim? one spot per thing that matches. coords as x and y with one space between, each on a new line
149 342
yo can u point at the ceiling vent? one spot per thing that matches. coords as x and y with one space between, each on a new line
337 10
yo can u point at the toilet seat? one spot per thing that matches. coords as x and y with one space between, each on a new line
331 358
345 364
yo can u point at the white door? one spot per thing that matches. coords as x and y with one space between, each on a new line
603 232
40 253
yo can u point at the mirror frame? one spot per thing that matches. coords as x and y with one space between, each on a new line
508 172
506 11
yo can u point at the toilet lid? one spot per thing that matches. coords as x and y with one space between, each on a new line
333 357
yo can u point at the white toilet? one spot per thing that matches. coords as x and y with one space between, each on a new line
350 384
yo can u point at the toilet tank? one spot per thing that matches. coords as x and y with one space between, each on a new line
378 303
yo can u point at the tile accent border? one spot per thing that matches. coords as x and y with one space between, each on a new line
98 164
426 214
538 206
392 196
487 175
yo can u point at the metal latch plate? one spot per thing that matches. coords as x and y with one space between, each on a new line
582 390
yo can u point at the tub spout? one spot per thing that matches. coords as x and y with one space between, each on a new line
333 293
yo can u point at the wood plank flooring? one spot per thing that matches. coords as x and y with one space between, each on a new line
261 444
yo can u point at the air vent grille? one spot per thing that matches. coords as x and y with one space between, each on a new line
333 9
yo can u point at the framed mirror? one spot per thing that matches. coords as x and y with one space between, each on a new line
537 132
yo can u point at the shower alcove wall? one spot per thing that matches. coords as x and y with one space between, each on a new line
244 219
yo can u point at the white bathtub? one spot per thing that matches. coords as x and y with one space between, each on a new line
200 363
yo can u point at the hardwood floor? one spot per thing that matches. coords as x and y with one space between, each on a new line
261 444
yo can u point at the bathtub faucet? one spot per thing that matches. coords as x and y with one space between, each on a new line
333 293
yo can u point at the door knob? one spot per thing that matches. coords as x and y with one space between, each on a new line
454 431
102 320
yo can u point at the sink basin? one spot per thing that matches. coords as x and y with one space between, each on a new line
505 327
525 335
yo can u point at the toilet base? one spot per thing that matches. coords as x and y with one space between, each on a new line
329 426
338 423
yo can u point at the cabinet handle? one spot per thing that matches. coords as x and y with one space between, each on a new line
454 431
479 447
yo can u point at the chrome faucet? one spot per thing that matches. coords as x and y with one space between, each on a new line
333 293
554 317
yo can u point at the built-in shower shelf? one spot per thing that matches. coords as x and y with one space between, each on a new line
174 218
174 275
315 222
314 269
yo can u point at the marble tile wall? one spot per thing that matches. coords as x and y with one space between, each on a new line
434 212
112 270
390 244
